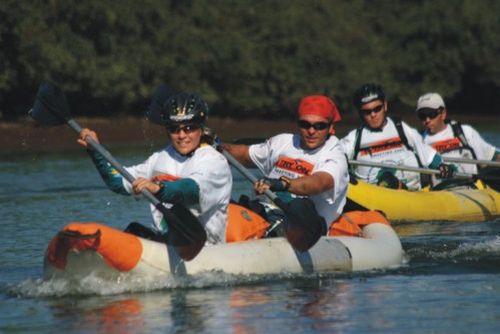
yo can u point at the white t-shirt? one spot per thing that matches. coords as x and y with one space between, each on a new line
385 146
209 169
450 146
282 155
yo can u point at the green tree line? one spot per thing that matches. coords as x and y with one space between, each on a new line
248 58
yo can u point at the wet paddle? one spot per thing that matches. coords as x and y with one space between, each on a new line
472 161
302 230
485 174
407 168
185 233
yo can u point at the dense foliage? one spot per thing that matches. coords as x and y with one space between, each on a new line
248 57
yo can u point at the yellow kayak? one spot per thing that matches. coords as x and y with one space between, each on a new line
454 204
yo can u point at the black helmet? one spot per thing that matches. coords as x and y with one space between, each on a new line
185 107
367 93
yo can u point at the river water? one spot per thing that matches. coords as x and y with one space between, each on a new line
450 283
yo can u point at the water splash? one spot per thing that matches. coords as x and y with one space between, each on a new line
93 285
463 254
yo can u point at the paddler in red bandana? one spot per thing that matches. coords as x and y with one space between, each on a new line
309 164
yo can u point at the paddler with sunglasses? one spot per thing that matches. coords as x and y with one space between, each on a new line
449 137
307 166
382 139
187 170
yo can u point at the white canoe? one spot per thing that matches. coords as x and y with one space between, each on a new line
94 249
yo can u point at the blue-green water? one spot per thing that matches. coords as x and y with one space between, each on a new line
451 283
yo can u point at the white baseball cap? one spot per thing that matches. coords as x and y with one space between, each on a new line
430 101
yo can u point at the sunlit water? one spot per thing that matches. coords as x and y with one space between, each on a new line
451 283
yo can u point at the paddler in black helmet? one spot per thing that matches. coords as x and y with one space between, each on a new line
186 170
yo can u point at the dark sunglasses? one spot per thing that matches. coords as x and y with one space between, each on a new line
422 115
376 110
317 126
187 128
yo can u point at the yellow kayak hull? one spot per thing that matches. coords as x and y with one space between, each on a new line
401 205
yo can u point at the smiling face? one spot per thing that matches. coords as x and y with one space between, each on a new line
373 113
314 131
185 137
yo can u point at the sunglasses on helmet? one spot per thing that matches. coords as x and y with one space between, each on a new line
423 115
376 110
187 128
317 126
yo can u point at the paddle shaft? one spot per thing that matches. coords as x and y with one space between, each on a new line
407 168
232 160
109 158
472 161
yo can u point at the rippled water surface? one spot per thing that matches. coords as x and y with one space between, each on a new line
451 283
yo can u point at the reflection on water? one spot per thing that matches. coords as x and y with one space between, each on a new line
247 309
119 316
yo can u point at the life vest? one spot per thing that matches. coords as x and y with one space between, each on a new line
244 224
351 223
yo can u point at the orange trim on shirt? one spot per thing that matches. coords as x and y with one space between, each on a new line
297 166
165 178
447 145
381 146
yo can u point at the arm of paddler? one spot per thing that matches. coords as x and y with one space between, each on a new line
310 185
436 161
496 156
446 170
184 191
109 174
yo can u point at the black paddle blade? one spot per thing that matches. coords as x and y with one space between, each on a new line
185 233
304 226
50 107
160 95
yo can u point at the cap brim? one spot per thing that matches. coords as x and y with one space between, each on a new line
426 109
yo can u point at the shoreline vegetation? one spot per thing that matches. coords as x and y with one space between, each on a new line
26 137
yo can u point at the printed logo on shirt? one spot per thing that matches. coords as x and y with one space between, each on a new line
447 145
382 146
165 178
295 166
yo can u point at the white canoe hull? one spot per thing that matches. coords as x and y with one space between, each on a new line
378 248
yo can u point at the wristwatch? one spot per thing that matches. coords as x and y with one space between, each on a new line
286 181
